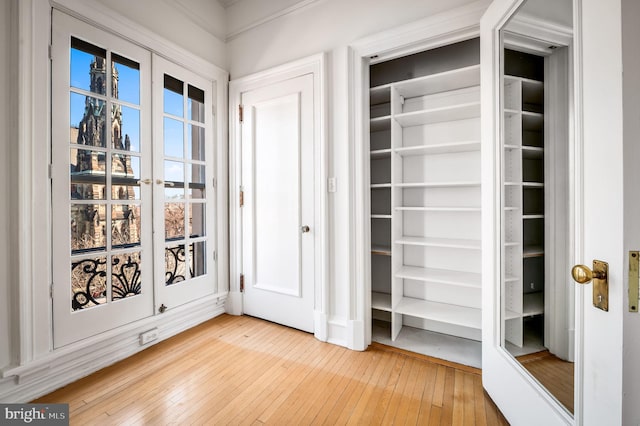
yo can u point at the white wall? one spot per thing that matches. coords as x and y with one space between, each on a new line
328 26
196 25
631 125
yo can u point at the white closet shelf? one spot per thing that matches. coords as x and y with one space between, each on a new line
381 301
438 209
380 94
441 276
380 216
444 148
380 185
509 315
533 216
380 250
440 242
533 304
439 115
380 123
511 279
532 185
441 312
380 153
533 251
435 184
441 82
532 121
532 153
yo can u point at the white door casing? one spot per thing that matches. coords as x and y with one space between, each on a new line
277 182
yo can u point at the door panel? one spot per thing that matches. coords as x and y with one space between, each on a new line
102 262
278 185
184 193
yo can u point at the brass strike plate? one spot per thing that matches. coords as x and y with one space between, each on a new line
634 266
601 285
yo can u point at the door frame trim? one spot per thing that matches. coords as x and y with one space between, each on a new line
315 65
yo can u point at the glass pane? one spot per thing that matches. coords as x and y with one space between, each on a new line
126 280
126 81
125 225
197 220
174 180
88 283
125 177
87 173
173 138
195 104
198 259
88 66
88 226
173 96
88 121
196 180
174 264
125 128
195 143
174 220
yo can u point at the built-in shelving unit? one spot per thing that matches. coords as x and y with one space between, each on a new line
524 213
425 200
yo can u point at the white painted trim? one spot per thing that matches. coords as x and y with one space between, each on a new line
279 14
449 27
78 360
200 21
320 325
315 65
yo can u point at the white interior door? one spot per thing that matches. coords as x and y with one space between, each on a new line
596 220
277 143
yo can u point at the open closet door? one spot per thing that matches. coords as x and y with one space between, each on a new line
595 223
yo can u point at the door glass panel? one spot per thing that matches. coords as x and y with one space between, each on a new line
85 59
126 81
175 264
88 121
173 138
173 96
174 180
195 143
198 258
88 282
125 177
88 179
127 137
125 225
88 225
196 104
197 180
197 220
174 220
125 275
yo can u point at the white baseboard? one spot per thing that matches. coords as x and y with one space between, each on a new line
61 367
355 335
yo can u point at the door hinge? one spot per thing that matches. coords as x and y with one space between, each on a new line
214 182
51 291
215 256
241 197
50 171
241 283
241 113
50 52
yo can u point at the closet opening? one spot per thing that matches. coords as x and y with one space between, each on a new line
425 202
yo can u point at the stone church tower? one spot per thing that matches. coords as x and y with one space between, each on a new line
88 173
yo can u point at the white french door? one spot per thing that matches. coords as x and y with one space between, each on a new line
184 189
278 235
132 195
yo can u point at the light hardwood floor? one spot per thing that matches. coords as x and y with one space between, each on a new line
553 373
242 370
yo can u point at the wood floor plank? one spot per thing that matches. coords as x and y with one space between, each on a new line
245 371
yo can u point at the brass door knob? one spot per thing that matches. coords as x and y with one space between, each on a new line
583 275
